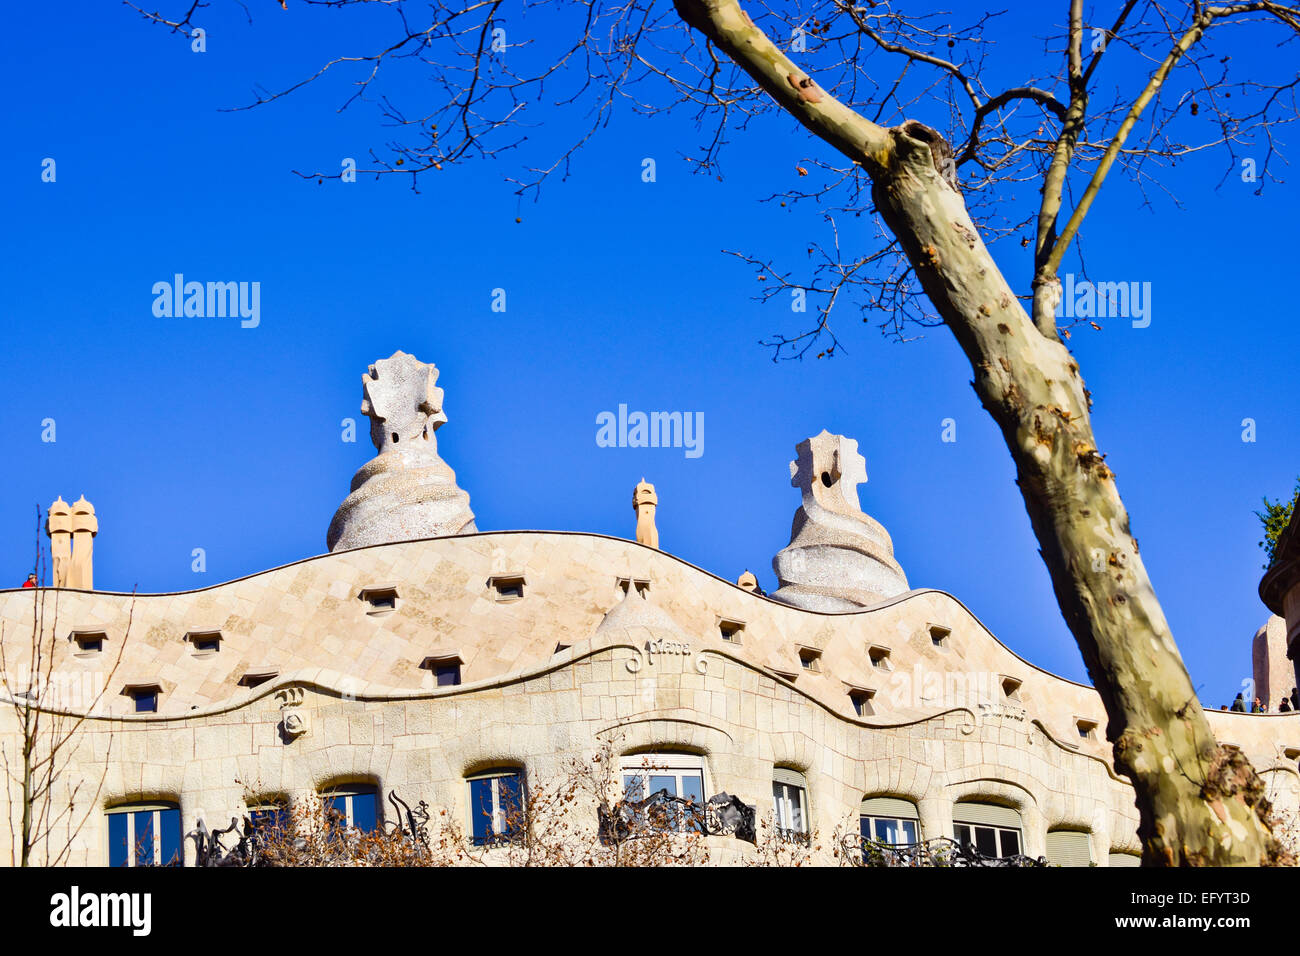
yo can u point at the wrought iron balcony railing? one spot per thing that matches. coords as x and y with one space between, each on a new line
721 815
940 851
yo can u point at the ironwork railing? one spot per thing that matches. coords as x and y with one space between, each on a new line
721 815
939 851
788 835
249 850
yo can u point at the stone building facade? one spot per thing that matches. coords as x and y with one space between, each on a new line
432 663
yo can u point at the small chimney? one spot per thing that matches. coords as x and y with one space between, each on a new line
644 502
72 529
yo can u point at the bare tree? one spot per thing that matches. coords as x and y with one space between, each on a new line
556 821
49 703
939 201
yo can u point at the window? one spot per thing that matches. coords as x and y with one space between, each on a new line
508 587
270 816
355 805
790 804
1087 729
204 642
861 698
145 697
496 807
810 658
446 669
381 599
990 829
642 585
254 678
879 657
89 643
267 821
1011 688
144 835
939 635
677 775
891 821
1069 848
731 630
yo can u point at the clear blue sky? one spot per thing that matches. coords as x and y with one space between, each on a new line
189 433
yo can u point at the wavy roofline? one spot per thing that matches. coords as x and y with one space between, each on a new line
888 602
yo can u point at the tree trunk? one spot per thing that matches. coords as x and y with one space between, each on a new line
1200 804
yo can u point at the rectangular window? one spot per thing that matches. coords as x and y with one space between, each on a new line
889 830
989 841
146 699
791 809
355 807
508 587
731 630
676 775
204 642
496 807
445 668
270 819
862 702
89 643
381 599
147 836
256 678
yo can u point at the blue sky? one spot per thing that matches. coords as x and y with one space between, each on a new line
195 433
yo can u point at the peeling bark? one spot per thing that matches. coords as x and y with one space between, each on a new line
1200 804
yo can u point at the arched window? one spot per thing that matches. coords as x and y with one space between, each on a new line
355 804
790 804
144 834
675 775
889 820
1069 848
496 807
991 829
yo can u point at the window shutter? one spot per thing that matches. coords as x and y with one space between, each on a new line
892 807
1124 859
986 814
790 777
1068 848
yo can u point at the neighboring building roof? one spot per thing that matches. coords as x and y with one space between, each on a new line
1284 572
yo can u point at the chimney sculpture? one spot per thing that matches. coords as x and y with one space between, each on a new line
644 502
406 492
838 559
72 529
